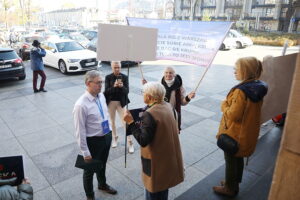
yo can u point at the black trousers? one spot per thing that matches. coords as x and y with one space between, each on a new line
99 148
234 171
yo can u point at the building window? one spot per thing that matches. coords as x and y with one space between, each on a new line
234 3
270 2
209 3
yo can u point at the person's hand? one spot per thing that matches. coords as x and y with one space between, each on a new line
192 95
128 117
116 84
144 81
87 159
120 84
25 181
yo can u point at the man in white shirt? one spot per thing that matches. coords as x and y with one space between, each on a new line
93 131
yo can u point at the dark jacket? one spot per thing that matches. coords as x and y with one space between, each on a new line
111 91
241 115
160 152
36 58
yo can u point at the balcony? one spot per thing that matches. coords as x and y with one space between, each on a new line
263 6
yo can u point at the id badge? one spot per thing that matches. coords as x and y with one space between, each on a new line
105 127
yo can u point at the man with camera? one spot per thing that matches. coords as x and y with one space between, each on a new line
116 94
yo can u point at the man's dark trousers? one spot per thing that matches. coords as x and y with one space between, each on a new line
99 148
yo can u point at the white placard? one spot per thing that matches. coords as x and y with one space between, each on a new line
124 43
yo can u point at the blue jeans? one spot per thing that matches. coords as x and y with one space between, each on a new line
163 195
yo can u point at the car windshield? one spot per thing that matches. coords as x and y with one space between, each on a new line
94 41
30 39
7 55
68 46
236 33
79 37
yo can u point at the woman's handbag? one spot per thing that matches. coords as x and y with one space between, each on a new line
228 144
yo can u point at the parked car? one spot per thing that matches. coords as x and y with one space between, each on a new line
24 46
78 37
90 34
92 45
11 65
241 41
68 56
228 43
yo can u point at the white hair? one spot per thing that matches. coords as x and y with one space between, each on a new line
112 62
170 68
90 75
156 90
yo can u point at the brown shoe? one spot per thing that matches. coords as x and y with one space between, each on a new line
108 189
223 190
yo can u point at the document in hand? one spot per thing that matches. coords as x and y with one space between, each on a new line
136 114
11 167
93 165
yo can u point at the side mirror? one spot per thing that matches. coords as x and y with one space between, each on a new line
53 50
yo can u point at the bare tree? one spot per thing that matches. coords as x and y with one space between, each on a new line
193 5
289 14
6 4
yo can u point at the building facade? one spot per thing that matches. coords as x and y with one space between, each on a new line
263 15
80 17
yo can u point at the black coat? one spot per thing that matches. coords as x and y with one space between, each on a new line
111 91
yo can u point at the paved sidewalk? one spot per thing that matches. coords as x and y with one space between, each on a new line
40 127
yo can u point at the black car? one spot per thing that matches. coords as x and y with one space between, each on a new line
92 45
11 65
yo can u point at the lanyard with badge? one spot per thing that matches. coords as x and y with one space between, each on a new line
104 124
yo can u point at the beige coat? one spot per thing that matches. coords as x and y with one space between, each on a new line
163 154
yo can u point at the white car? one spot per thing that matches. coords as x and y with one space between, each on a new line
241 41
69 56
228 43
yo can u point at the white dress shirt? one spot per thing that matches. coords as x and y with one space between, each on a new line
88 119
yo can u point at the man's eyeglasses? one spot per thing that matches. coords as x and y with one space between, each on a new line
98 82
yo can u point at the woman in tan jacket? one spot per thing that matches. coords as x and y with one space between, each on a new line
241 120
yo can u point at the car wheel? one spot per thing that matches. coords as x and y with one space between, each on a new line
239 45
62 67
222 47
22 77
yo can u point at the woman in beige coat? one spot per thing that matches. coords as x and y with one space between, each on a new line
241 120
162 165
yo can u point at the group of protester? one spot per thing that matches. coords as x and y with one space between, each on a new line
158 132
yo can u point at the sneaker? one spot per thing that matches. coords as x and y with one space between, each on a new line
114 142
42 90
35 91
130 147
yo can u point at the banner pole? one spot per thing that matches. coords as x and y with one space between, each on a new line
201 79
141 70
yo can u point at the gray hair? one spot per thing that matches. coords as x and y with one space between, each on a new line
119 62
156 90
90 75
